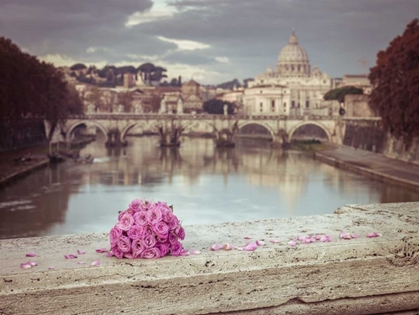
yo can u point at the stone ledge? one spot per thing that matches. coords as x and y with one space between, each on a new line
359 276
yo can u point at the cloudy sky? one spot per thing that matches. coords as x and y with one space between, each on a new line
210 40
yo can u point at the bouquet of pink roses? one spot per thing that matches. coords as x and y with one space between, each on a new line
147 230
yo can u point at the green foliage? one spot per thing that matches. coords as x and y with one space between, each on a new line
30 88
396 85
78 66
339 93
229 85
215 106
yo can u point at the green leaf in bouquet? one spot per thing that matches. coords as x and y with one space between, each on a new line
172 207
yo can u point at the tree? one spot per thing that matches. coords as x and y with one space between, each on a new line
215 106
339 93
395 79
78 66
146 69
126 99
30 88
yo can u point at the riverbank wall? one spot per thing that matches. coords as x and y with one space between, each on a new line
369 135
345 276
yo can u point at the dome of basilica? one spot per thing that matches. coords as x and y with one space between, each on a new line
293 60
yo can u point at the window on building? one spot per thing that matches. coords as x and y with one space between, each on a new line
293 104
316 105
293 68
307 104
298 105
299 68
261 107
260 92
284 105
273 105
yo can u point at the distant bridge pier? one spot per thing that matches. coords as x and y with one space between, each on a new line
114 138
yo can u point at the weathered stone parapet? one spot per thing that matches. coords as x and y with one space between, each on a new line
358 276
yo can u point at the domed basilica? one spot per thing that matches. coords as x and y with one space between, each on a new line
293 88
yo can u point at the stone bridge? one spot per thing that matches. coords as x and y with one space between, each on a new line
280 128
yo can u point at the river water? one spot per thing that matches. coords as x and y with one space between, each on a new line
206 185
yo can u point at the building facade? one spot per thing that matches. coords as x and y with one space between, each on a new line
292 88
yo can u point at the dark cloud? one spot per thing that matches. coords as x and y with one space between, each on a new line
250 33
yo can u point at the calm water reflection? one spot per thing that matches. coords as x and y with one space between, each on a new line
206 185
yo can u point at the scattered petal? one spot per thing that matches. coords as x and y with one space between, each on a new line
95 263
301 238
80 262
109 254
317 237
273 240
239 248
70 256
215 246
32 254
251 247
305 241
260 243
292 243
51 267
227 246
195 252
184 252
345 236
354 235
374 234
81 252
33 263
326 238
101 250
248 237
26 266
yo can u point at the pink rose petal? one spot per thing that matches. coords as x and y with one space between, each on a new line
273 240
70 256
95 263
374 234
326 238
354 235
33 263
101 250
184 252
227 246
32 254
195 252
81 252
25 266
51 267
317 237
292 243
260 243
109 254
215 246
248 237
251 247
239 248
80 262
301 238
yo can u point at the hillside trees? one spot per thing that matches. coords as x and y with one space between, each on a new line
32 89
339 93
395 79
215 106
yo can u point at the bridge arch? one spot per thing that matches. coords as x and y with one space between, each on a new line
248 123
313 123
141 124
86 122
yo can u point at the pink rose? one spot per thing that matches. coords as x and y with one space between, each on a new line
149 240
129 255
114 235
124 244
161 229
116 251
135 205
176 249
121 214
162 238
173 223
172 238
150 253
137 248
147 205
167 215
140 218
154 215
136 232
163 248
180 232
125 222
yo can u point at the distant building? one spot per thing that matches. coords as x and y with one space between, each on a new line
358 80
191 97
293 88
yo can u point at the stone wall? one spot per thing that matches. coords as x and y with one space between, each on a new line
358 106
345 276
368 135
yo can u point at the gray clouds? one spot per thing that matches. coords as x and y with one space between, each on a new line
226 38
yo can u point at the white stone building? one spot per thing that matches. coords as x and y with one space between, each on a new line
293 88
